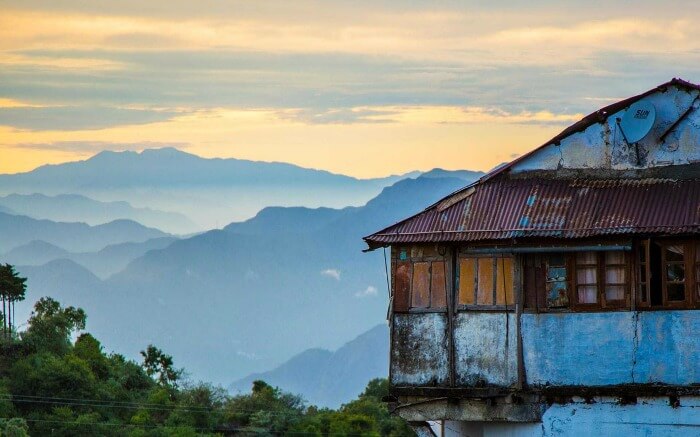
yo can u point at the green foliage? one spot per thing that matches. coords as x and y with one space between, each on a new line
12 289
50 326
159 365
50 385
15 427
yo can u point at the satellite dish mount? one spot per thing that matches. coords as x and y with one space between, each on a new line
637 123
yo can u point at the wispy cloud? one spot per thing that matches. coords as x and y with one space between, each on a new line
325 84
331 273
367 292
96 146
69 118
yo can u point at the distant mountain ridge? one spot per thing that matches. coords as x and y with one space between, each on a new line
78 208
17 230
103 263
328 379
210 192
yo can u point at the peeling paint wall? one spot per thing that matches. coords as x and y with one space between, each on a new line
564 349
649 417
419 352
605 417
612 348
578 348
602 145
485 354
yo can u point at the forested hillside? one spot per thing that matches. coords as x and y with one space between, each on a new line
56 379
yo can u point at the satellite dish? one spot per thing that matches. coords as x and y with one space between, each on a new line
637 121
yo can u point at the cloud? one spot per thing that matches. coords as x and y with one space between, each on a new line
369 291
331 273
248 355
98 146
67 118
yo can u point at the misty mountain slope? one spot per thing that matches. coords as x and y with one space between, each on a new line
17 230
62 279
77 208
102 263
34 253
329 379
277 220
211 192
227 303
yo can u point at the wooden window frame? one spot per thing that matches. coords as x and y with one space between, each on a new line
639 266
495 259
569 282
688 283
412 255
573 301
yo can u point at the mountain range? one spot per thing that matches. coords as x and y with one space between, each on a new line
102 263
77 208
325 378
209 192
18 230
229 302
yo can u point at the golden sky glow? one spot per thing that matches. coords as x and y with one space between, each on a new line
360 88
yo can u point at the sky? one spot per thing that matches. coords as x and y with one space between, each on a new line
364 88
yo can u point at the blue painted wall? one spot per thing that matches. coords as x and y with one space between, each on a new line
650 417
612 348
591 349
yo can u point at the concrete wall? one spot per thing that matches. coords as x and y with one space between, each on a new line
612 348
485 354
651 417
419 351
601 146
563 349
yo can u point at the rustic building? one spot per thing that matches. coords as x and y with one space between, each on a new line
559 294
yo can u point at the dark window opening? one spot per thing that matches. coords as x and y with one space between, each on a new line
655 274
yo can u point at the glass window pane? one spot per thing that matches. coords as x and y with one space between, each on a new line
615 257
676 292
675 253
615 275
586 275
556 273
642 274
555 259
557 296
586 258
643 292
614 292
675 272
587 294
642 253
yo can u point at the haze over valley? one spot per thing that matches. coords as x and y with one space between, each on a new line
288 283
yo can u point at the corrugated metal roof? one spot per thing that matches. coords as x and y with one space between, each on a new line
505 208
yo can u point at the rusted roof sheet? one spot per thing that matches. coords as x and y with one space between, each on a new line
505 208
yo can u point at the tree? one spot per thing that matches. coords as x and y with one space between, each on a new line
12 289
50 326
158 364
